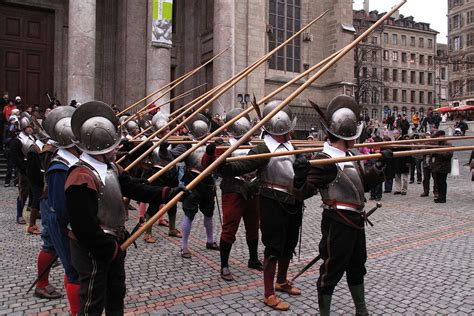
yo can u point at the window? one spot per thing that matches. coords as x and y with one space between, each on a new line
404 57
412 111
422 97
404 40
404 95
364 97
385 38
412 58
404 110
422 78
285 19
457 43
430 43
413 77
422 112
395 95
455 22
374 113
364 72
374 40
375 97
364 55
430 78
430 97
385 94
470 86
470 17
395 75
470 62
412 41
412 96
394 39
395 56
443 73
469 39
404 76
385 74
430 60
456 66
374 56
395 110
421 42
385 55
422 60
374 73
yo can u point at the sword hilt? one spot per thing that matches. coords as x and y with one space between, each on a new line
373 209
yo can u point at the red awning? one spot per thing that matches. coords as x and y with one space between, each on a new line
443 109
464 108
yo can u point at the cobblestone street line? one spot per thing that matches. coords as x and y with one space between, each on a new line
420 262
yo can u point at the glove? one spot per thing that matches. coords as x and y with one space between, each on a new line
219 141
387 156
211 149
164 146
301 167
170 193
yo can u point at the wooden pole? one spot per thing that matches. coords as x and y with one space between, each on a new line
174 82
396 154
231 82
144 110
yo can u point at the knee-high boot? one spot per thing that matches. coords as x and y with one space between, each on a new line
358 296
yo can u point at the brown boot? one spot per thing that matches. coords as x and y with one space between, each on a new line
33 230
288 288
276 303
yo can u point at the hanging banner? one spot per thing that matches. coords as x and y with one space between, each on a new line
161 24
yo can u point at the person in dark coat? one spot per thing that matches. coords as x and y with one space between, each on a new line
441 166
401 168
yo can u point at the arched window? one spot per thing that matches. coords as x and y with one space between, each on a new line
386 111
412 111
422 112
365 112
404 110
374 114
395 110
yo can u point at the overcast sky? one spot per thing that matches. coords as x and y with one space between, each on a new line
429 11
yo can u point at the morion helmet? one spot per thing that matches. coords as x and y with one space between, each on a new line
58 126
239 127
342 118
281 123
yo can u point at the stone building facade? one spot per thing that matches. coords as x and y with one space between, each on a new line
101 49
400 62
461 52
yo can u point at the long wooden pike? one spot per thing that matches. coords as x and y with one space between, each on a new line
229 83
399 143
173 83
328 161
146 110
240 142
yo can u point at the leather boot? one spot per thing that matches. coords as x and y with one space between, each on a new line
324 302
358 296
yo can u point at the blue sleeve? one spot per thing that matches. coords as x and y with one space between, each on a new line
56 180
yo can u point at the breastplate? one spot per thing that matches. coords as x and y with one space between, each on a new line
248 177
278 173
111 210
346 192
193 162
26 143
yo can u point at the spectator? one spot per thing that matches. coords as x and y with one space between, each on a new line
462 126
375 192
441 167
117 110
390 121
7 112
18 103
436 120
404 125
416 162
11 133
401 167
416 121
389 173
3 120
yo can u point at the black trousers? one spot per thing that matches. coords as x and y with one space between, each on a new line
343 249
441 184
102 284
280 225
427 174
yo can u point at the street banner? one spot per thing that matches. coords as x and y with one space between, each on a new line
161 23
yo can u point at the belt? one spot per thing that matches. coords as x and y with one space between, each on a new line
277 187
333 204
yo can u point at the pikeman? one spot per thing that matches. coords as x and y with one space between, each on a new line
54 217
202 196
94 188
239 200
160 157
280 212
19 148
342 187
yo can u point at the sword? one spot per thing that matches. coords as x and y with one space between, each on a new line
312 262
43 273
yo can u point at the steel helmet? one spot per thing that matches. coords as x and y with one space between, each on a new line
239 127
25 122
96 128
281 123
198 126
343 118
58 125
131 126
158 121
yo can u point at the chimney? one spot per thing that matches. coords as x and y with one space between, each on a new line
366 6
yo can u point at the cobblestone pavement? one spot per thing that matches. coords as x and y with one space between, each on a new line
420 261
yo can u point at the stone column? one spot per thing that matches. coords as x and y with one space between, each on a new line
81 51
224 66
158 64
